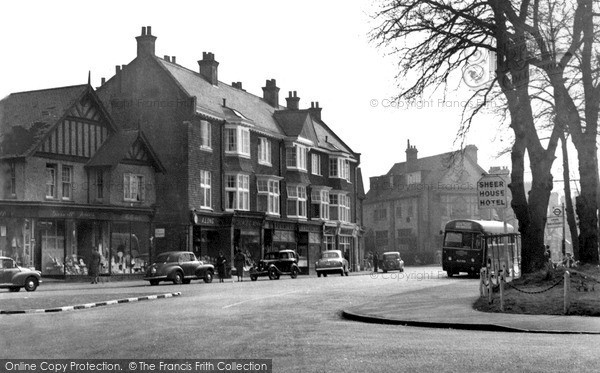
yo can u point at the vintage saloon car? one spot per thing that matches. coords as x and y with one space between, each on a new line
331 261
13 277
391 261
275 264
180 267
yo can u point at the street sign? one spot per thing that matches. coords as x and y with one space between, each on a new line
554 222
491 192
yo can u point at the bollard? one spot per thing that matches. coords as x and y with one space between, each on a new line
501 284
567 301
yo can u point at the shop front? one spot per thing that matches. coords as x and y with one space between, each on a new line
309 244
247 235
210 236
59 240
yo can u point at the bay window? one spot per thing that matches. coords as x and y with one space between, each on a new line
320 204
237 141
339 168
268 196
295 157
339 204
133 187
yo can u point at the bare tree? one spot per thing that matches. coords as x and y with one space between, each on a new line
434 38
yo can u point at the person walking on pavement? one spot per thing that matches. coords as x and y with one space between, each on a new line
221 266
375 261
239 261
94 270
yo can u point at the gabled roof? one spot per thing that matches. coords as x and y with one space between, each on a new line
117 146
328 139
297 123
26 117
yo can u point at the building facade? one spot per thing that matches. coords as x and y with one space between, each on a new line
72 181
407 208
244 172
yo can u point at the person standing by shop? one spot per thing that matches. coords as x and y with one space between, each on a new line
239 261
375 261
221 266
94 270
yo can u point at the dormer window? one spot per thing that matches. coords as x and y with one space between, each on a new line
339 168
295 157
237 141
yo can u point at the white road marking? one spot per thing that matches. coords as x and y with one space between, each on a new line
261 298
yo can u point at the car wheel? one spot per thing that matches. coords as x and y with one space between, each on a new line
324 274
273 274
385 271
209 277
253 278
450 274
178 279
153 282
294 272
14 289
31 283
318 274
402 269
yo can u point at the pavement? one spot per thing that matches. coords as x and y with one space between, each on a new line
447 306
450 306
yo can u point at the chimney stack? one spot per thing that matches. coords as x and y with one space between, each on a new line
471 151
293 102
271 93
145 42
411 155
173 59
102 81
315 110
208 68
238 85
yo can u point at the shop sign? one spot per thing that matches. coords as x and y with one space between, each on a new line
159 233
284 226
206 220
248 223
310 228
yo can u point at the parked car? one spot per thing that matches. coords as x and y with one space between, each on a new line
331 261
180 267
275 264
391 261
13 277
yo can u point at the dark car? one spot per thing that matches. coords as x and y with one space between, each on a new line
180 267
331 261
13 277
275 264
391 261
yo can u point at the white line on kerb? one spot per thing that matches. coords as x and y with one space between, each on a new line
261 298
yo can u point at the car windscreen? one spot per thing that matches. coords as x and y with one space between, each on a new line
164 258
391 256
464 240
330 255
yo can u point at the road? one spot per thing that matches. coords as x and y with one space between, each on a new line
296 323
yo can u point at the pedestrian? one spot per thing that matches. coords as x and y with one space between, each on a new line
375 261
94 270
239 261
221 266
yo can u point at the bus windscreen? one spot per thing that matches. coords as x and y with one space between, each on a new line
462 240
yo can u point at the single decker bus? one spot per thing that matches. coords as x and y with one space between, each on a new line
469 245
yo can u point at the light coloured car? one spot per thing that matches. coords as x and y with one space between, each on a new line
331 261
391 261
13 277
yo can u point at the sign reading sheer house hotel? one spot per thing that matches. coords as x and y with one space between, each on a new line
491 192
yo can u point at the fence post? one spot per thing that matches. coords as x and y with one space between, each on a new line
567 285
501 284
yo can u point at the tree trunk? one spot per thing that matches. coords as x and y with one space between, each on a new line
586 202
569 211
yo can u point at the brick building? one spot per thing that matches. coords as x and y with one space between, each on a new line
407 208
70 181
243 171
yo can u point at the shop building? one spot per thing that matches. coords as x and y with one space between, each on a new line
407 208
72 181
244 171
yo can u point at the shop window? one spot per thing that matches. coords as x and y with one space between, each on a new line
133 187
329 242
268 196
129 247
51 180
237 192
52 234
344 244
16 240
67 182
205 189
205 135
296 203
264 151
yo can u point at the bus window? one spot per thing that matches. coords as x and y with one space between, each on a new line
459 239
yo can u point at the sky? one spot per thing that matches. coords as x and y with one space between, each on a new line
321 49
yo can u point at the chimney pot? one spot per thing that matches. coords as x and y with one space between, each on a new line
167 58
149 30
117 69
143 30
102 81
224 102
173 59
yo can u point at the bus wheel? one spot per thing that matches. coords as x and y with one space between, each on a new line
450 274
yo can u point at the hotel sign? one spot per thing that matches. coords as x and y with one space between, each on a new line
491 192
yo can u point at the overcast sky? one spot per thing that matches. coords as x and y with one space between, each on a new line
318 48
